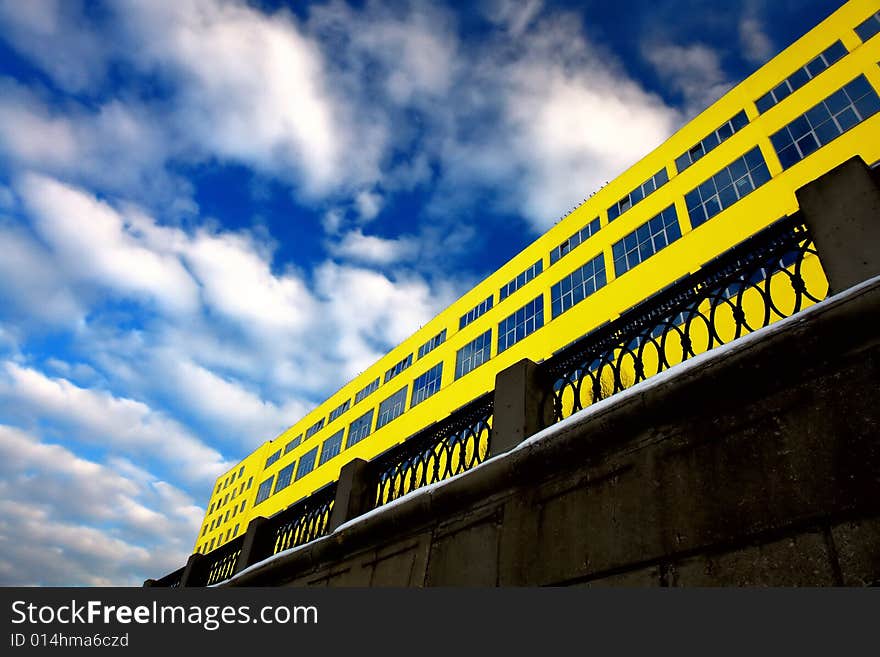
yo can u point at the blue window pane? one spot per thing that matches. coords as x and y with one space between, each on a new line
636 195
789 156
613 212
710 142
798 79
722 179
834 52
707 189
691 200
712 207
868 105
728 196
737 168
743 186
836 101
847 119
819 114
780 139
725 131
661 177
799 127
827 131
782 91
816 66
765 102
807 144
869 28
858 88
697 216
740 120
753 158
760 175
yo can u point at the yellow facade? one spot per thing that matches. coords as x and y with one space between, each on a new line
232 504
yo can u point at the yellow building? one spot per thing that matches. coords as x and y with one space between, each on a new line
728 173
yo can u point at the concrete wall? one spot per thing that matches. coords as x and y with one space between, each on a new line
759 466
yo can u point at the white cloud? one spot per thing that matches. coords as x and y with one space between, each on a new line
368 205
693 70
67 520
115 424
756 44
369 249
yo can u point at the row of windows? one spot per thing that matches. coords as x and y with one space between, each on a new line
220 502
646 240
475 312
231 533
432 344
710 141
648 187
331 447
398 368
219 520
726 187
272 458
524 277
575 240
523 322
842 110
339 410
426 385
315 428
223 484
577 286
869 28
368 390
801 76
391 408
473 354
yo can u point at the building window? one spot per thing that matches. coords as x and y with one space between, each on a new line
228 532
398 368
426 385
243 502
315 428
366 392
241 489
235 530
205 530
391 408
339 410
331 447
306 463
726 187
272 458
801 76
523 322
432 344
577 286
360 428
211 510
642 191
710 141
646 240
842 110
575 240
869 28
293 444
264 490
240 471
250 481
285 474
473 354
212 545
521 279
226 517
474 313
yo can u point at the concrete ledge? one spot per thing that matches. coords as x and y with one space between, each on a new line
773 438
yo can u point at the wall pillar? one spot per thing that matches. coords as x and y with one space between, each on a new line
522 406
352 494
842 209
192 572
256 544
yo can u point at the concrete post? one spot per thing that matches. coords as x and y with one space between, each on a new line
352 494
192 572
522 406
149 583
256 544
842 209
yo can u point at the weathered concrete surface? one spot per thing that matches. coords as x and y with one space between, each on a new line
759 468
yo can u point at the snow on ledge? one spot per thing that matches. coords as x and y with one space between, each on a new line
583 416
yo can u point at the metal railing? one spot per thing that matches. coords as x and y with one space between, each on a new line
222 561
440 451
302 522
754 284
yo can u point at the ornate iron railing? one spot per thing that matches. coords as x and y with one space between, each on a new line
223 561
303 521
756 283
438 452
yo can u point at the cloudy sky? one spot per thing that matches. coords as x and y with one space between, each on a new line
214 213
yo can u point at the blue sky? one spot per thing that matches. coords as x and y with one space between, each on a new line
214 213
